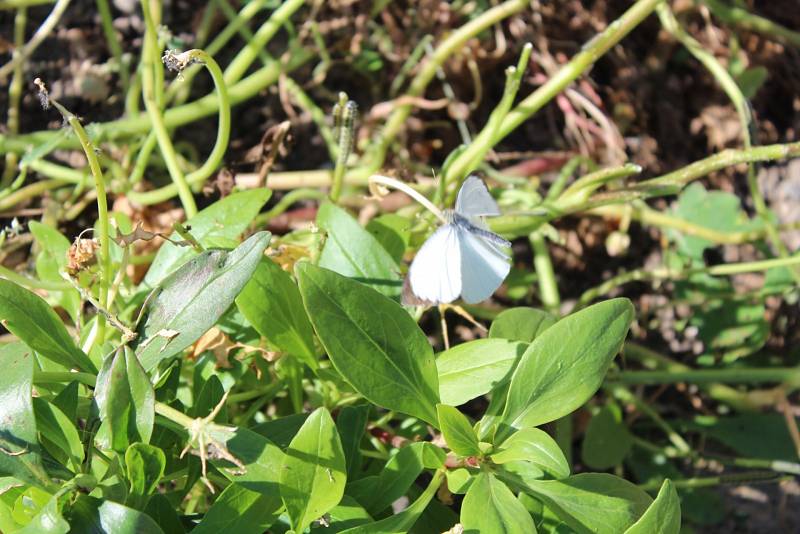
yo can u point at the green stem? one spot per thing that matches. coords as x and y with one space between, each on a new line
452 44
113 43
490 131
623 394
548 286
589 54
267 391
152 72
29 191
742 401
41 34
753 477
54 377
173 118
174 415
15 94
790 375
292 197
667 273
245 58
744 19
102 212
728 84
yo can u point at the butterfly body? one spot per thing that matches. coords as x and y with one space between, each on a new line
462 257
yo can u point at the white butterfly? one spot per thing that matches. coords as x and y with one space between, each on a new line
462 257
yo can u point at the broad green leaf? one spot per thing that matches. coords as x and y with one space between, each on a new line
490 507
402 522
218 225
534 446
663 516
752 435
376 493
161 510
281 431
261 461
459 480
393 232
730 329
32 320
521 324
458 433
472 369
18 423
89 514
351 423
314 472
271 302
58 434
67 400
145 466
125 399
347 514
51 260
607 440
593 502
372 342
353 252
192 299
238 510
205 400
563 367
715 210
47 521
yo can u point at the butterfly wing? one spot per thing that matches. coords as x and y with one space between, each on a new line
474 200
435 273
484 266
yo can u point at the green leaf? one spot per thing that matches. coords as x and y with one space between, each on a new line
402 522
126 400
521 324
458 433
51 260
160 509
281 431
351 423
271 302
238 510
67 400
145 466
23 458
353 252
534 446
393 232
262 462
607 440
313 475
347 514
58 433
219 225
475 368
593 502
32 320
376 493
490 507
751 80
48 520
563 367
714 210
372 342
663 516
192 299
89 514
731 329
752 435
